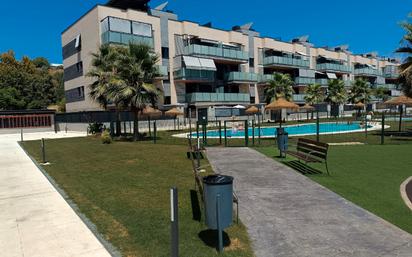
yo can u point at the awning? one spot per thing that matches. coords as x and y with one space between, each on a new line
318 72
207 64
208 41
371 66
331 75
192 63
301 53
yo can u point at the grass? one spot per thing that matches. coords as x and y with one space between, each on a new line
123 188
367 175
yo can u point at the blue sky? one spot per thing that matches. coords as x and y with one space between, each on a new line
33 28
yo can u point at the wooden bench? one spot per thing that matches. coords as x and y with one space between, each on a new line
311 152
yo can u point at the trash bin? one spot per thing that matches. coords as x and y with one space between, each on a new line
282 139
223 186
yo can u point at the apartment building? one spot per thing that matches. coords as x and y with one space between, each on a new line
205 69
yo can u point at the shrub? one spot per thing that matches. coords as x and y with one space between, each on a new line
106 138
95 128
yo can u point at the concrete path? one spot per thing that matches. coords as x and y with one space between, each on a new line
35 220
289 215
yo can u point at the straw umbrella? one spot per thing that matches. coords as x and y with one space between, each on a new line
400 101
281 104
150 112
359 106
307 107
174 112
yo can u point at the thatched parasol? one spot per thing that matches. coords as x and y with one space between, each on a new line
360 105
400 100
174 112
280 104
307 107
150 111
252 110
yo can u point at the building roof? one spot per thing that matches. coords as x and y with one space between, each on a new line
129 4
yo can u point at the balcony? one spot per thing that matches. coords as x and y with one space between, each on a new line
190 75
242 77
387 86
218 97
299 98
111 37
163 72
322 82
304 81
285 61
334 67
265 78
368 72
391 72
217 53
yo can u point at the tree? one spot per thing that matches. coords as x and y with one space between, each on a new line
405 76
336 93
381 93
360 92
281 86
134 86
27 84
105 71
314 94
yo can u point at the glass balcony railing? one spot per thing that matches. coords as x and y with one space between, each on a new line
299 98
265 78
163 71
386 86
241 77
368 72
322 82
195 75
304 81
217 97
110 37
285 61
333 67
217 52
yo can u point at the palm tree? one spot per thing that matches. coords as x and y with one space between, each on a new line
405 76
314 94
336 92
279 87
360 92
381 93
135 86
104 70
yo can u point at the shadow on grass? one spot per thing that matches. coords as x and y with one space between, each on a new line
302 168
210 238
196 210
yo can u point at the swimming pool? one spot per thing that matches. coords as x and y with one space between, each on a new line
293 130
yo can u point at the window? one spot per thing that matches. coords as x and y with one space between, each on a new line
165 52
79 66
105 25
142 29
120 25
167 100
75 95
73 71
251 62
252 99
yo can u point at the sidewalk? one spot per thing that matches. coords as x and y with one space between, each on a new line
289 215
35 220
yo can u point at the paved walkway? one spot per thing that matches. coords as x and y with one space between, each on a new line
35 220
289 215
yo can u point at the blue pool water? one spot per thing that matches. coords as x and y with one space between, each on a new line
304 129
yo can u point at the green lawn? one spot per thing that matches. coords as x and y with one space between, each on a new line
123 188
368 175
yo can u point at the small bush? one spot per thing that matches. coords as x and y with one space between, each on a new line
95 128
106 138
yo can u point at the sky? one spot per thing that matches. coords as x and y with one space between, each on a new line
33 28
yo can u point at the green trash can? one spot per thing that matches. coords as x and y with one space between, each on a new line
223 186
